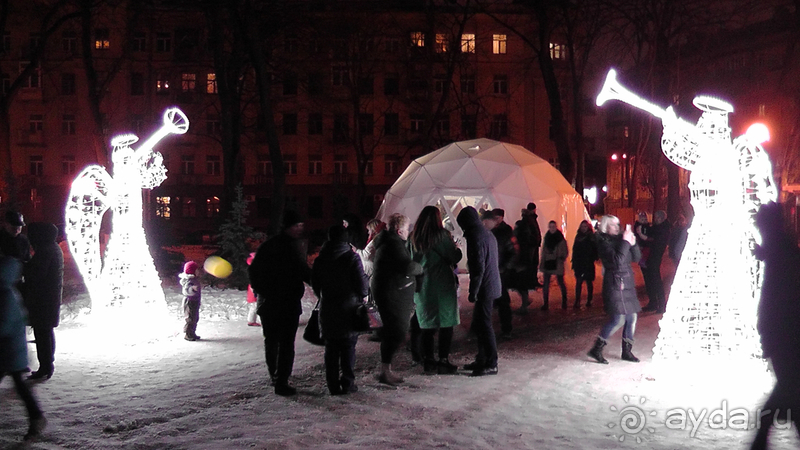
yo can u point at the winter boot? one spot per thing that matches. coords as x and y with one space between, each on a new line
627 354
446 368
389 377
597 351
430 367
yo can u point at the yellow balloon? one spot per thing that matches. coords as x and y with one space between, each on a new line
218 267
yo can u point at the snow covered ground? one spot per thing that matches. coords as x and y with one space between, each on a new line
213 394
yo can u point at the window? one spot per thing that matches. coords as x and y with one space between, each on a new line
339 164
366 85
67 84
36 167
290 43
499 126
391 124
315 164
339 76
6 42
391 84
441 43
762 109
163 42
35 78
187 164
467 43
499 42
290 124
102 41
137 83
68 165
369 168
417 122
315 207
391 165
392 45
213 165
34 39
418 85
162 207
212 206
315 45
315 123
500 84
439 83
469 126
35 123
341 128
315 83
212 124
69 42
289 83
418 39
139 41
188 207
558 51
162 84
366 124
188 82
5 79
290 164
467 84
68 124
264 166
211 83
443 127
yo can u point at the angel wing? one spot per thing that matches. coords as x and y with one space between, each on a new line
88 201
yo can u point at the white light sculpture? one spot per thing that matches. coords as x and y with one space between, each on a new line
124 286
714 297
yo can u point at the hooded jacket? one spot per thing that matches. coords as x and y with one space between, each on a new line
338 279
277 274
44 276
482 258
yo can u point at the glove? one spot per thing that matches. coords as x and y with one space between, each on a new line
471 298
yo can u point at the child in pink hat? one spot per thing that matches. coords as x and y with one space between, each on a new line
190 288
252 305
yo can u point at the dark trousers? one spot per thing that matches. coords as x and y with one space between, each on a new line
45 347
579 279
279 334
191 312
482 327
654 284
445 342
415 341
340 354
504 306
25 394
546 289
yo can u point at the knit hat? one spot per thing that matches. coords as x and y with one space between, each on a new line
190 268
531 206
15 218
290 218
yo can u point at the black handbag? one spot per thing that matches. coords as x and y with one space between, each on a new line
312 333
366 317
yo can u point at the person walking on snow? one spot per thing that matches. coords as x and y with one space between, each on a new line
554 254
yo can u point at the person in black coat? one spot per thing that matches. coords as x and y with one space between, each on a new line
41 293
13 344
504 235
584 254
617 252
528 239
12 241
484 288
339 281
779 319
277 274
393 286
658 238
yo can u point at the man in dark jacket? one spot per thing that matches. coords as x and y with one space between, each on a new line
340 283
484 288
504 235
12 241
277 274
41 293
657 238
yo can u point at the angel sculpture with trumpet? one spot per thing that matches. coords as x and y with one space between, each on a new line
126 278
713 301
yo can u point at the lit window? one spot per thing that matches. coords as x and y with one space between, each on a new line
68 165
68 124
188 82
441 43
101 39
212 206
467 43
417 39
162 207
162 85
213 165
36 167
558 51
211 83
499 42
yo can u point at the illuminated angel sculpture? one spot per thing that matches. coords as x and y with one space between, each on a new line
124 285
714 297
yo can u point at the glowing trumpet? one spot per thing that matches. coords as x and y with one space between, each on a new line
612 90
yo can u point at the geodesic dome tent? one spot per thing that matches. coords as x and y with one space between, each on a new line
488 174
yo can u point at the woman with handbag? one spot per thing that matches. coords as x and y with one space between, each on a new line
554 254
339 281
436 300
392 287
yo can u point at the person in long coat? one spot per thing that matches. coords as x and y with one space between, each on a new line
393 285
528 238
617 252
554 254
41 293
437 298
584 254
13 344
484 288
339 281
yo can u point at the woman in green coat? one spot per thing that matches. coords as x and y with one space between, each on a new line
436 301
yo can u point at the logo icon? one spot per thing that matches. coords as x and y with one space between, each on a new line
632 419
